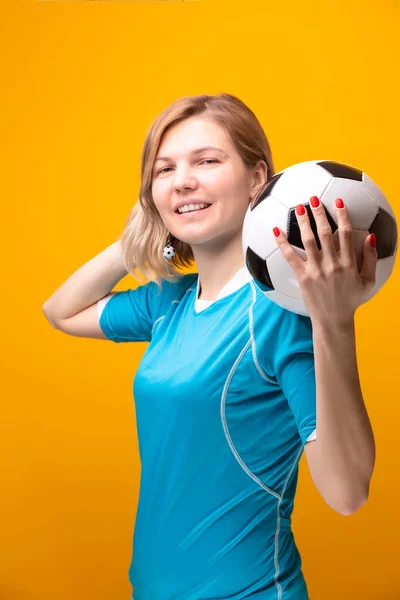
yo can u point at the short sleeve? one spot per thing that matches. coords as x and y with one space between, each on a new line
294 368
128 316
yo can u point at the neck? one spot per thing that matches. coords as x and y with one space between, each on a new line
217 267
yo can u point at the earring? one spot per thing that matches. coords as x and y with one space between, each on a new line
169 250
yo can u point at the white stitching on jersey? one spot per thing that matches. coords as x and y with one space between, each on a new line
226 430
296 460
252 475
154 324
235 452
312 435
258 367
173 302
278 526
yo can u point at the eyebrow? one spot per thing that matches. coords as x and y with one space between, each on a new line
196 151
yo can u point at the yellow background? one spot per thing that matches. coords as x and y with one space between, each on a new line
81 84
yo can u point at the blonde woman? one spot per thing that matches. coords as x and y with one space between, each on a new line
232 388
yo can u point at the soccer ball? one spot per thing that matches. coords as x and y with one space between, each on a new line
275 205
168 252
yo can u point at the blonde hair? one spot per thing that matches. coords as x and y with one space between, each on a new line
145 235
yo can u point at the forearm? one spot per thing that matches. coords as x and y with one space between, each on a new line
94 280
345 448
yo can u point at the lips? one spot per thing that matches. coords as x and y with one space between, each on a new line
189 202
192 212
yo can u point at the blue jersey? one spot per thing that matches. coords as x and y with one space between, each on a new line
225 401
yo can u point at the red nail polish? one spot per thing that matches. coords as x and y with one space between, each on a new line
314 201
300 209
277 232
339 203
372 240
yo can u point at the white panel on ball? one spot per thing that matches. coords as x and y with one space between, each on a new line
292 304
269 214
300 182
378 194
384 269
360 204
282 275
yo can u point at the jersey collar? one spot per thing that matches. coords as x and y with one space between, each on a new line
241 277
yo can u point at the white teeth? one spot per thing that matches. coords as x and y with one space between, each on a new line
190 207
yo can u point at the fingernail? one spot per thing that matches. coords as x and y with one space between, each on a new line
339 203
314 201
300 209
372 240
277 232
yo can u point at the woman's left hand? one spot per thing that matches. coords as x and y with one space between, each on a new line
331 285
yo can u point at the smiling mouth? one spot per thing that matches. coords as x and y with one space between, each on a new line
191 212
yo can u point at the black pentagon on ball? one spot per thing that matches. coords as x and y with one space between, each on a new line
337 169
258 269
385 229
294 233
265 191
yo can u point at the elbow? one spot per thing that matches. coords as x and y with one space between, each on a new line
46 312
349 501
48 316
351 508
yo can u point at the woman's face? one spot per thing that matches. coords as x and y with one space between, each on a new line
214 176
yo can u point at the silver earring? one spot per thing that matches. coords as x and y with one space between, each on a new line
169 250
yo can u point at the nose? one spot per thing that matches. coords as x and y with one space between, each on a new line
183 179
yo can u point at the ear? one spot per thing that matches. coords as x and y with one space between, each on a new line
260 176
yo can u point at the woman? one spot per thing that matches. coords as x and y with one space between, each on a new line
231 387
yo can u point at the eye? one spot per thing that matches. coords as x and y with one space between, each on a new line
209 160
164 169
212 160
